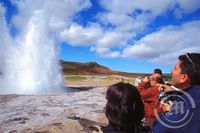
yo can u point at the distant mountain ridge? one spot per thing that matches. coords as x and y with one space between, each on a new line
91 68
82 65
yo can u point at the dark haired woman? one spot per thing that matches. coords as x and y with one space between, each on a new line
124 109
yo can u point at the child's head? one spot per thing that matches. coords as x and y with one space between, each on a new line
124 108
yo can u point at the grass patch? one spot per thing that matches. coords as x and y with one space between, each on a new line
75 78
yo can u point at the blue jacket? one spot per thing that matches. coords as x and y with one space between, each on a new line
185 117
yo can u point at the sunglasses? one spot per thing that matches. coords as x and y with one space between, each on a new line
189 59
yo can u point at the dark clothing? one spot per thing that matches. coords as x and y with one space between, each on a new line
138 129
187 120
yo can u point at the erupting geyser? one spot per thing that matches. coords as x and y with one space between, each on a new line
29 63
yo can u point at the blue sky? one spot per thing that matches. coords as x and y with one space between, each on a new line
130 36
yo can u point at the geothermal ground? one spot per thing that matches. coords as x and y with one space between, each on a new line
72 112
79 110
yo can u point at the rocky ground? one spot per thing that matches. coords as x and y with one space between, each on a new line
72 112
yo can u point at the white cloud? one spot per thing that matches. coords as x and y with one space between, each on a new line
78 35
170 40
105 52
128 18
189 6
133 16
111 40
5 38
56 12
123 22
124 14
119 11
156 7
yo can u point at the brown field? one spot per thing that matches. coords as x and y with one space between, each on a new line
94 74
95 80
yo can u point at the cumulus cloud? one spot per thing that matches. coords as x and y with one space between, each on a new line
59 14
5 38
135 15
3 26
78 35
93 35
111 40
156 7
159 46
132 17
113 27
105 52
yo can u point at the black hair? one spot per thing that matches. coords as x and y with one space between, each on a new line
159 71
190 65
124 108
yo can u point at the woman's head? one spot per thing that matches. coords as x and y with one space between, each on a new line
124 108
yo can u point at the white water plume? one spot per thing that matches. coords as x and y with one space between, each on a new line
30 63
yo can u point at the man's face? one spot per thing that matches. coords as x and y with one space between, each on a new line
153 78
155 75
152 81
177 76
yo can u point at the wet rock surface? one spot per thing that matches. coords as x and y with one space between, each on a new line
72 112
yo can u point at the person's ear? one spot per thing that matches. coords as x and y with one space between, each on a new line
184 78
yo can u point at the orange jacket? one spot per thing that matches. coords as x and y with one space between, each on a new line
149 95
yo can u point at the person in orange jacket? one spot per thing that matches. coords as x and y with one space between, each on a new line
149 91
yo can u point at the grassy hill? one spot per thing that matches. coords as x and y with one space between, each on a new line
91 68
94 74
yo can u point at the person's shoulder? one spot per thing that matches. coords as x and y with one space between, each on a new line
176 122
163 125
109 129
193 89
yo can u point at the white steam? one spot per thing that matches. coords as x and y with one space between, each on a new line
29 63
